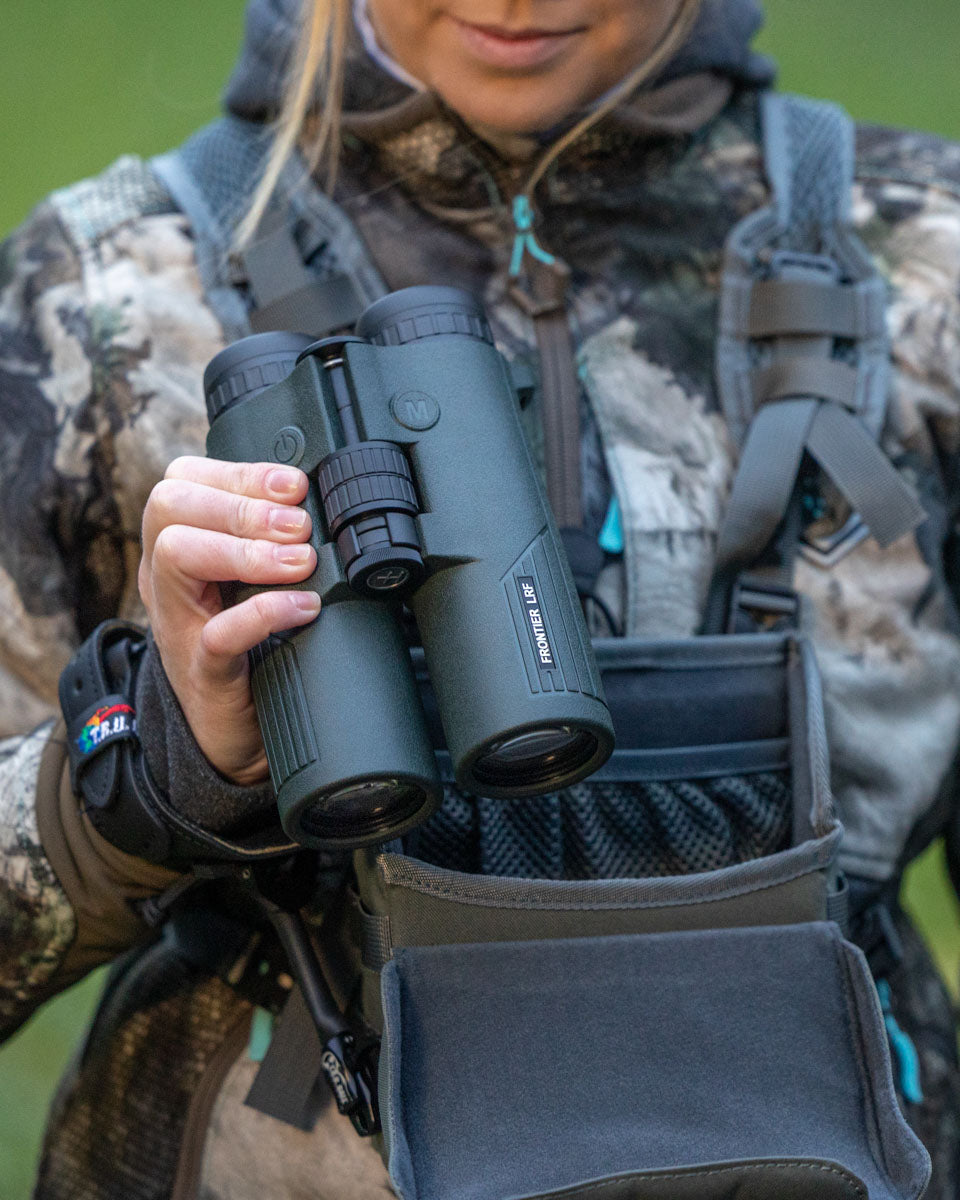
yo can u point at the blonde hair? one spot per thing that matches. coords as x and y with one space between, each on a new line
320 53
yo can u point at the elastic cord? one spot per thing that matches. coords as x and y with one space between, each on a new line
677 33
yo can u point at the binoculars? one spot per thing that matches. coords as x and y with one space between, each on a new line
422 492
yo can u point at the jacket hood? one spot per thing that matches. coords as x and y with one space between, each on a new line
720 44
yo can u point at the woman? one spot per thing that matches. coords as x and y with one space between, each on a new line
632 129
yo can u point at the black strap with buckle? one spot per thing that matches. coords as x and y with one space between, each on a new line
313 1036
874 931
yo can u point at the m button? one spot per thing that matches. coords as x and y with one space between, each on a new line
415 410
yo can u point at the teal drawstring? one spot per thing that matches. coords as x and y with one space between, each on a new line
903 1048
611 535
524 239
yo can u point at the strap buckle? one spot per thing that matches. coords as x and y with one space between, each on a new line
825 550
350 1068
286 294
757 605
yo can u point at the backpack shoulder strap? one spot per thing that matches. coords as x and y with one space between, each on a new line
307 268
802 361
94 208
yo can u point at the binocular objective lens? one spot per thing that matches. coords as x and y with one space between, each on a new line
362 810
536 756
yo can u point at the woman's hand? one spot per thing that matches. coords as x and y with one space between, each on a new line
205 523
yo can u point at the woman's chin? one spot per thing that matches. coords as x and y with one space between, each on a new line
514 107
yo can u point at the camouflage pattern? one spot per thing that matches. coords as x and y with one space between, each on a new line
102 346
118 1123
104 333
36 920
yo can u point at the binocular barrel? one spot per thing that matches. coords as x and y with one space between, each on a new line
422 489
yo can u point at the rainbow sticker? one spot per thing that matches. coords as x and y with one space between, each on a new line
106 722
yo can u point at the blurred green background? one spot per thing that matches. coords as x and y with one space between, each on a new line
82 83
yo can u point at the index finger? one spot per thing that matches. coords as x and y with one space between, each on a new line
263 480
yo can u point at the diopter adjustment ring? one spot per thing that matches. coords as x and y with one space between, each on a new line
365 478
370 505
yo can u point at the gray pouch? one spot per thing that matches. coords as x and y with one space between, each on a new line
712 1064
706 718
631 1014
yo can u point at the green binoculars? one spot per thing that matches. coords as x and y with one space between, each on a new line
422 493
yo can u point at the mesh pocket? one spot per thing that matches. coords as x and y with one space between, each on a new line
612 830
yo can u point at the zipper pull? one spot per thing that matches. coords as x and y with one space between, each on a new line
524 239
538 279
610 538
904 1050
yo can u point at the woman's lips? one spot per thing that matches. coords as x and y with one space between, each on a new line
518 50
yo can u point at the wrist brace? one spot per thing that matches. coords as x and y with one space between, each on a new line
110 774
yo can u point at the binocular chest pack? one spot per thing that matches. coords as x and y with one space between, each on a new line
637 987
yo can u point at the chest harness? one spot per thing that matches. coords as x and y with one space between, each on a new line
642 988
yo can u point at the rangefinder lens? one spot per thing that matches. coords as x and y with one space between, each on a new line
535 756
361 811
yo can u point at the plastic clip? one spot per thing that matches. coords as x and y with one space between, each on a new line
350 1067
756 604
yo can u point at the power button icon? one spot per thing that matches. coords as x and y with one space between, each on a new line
289 445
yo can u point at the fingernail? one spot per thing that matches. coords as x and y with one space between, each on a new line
307 601
287 520
284 481
294 556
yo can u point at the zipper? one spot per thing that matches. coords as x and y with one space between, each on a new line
539 282
186 1182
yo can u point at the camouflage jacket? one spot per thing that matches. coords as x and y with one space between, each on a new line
104 334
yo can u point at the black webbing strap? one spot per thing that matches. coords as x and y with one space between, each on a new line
838 904
307 268
286 295
288 1084
864 474
371 932
96 699
766 480
109 771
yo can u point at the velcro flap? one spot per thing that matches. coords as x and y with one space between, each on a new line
524 1069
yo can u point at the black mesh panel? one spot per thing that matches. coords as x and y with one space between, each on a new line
612 830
